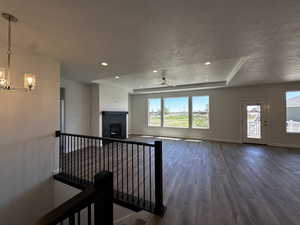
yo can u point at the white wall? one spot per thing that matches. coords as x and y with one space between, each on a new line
95 113
77 107
225 114
27 144
112 98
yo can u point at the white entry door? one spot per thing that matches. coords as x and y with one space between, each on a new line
255 123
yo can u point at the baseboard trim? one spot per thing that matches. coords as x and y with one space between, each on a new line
284 145
198 138
226 141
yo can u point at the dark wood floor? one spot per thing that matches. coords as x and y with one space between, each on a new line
213 183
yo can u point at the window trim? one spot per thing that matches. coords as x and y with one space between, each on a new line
285 111
161 119
191 125
163 112
190 112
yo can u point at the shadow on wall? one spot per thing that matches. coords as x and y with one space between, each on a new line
24 209
27 189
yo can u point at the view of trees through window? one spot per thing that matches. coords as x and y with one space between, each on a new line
154 112
293 111
176 112
200 106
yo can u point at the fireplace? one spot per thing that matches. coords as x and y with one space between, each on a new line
115 130
114 124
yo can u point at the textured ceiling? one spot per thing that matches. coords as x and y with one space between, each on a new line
138 36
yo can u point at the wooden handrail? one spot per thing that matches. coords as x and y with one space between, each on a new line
58 133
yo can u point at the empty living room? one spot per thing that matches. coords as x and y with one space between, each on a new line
150 113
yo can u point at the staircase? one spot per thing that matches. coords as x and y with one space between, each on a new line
140 218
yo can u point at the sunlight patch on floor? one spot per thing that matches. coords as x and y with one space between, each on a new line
169 138
193 140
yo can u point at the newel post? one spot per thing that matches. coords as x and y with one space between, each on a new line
104 199
159 207
57 133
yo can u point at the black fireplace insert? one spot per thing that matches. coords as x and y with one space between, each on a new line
114 124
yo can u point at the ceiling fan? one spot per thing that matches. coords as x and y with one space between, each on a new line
164 81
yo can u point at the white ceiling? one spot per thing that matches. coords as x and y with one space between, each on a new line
138 36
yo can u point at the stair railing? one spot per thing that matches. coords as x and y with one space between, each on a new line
93 206
137 168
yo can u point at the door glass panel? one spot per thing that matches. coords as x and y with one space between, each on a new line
254 121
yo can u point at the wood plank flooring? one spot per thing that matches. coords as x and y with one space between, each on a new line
132 166
211 183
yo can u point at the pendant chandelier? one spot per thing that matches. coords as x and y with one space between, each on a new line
5 73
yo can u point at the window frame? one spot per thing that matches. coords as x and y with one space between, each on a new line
163 112
148 117
285 111
191 112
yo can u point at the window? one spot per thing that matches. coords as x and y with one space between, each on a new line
200 112
176 112
154 112
254 121
292 111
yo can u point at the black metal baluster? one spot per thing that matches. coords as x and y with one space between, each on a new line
99 154
113 159
72 220
60 154
69 156
132 177
144 171
92 160
77 155
95 158
117 170
81 160
85 156
89 215
127 171
138 173
108 150
72 156
104 155
78 218
65 154
89 158
150 167
122 150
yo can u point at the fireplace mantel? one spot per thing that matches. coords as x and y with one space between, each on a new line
113 112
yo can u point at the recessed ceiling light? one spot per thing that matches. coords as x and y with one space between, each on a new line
207 63
104 64
117 77
155 71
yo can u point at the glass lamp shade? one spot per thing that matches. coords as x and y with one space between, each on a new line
2 78
29 81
